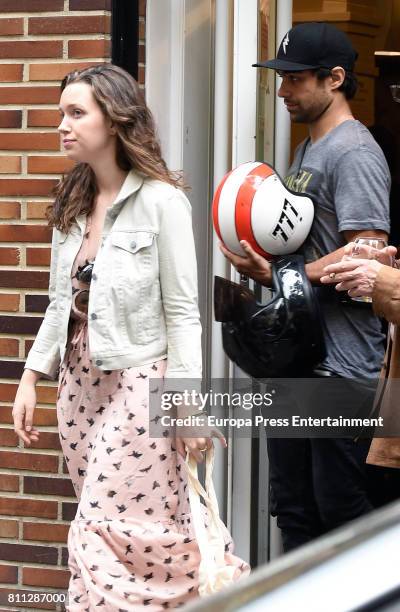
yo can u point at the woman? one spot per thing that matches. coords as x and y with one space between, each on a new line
375 279
123 238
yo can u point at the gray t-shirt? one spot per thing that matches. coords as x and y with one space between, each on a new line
347 176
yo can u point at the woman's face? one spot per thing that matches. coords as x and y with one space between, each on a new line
86 133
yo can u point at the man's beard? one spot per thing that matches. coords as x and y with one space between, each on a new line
301 116
309 115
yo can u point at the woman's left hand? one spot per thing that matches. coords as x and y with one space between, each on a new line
196 446
356 276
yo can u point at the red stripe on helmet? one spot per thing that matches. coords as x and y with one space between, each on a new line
244 200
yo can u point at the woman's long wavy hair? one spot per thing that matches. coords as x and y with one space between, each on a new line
121 100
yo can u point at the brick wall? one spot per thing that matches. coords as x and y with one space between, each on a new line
40 41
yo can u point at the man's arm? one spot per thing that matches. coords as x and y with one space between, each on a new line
259 269
315 269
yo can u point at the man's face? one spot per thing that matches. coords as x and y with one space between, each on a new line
305 97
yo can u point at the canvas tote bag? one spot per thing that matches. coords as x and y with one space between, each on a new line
215 572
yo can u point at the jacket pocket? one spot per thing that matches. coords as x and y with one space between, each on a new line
132 242
136 264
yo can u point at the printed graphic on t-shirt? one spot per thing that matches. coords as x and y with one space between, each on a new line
299 182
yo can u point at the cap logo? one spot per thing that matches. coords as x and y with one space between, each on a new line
285 42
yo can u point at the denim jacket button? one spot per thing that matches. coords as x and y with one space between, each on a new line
133 244
94 315
99 362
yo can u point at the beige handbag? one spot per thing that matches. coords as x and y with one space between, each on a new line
215 573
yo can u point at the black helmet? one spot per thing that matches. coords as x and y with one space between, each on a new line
280 338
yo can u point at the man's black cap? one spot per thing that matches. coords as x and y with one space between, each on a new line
313 45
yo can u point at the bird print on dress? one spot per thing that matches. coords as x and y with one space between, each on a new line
131 544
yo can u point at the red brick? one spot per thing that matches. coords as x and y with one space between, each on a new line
30 6
10 210
9 347
45 532
46 395
11 27
26 187
17 325
6 414
45 416
28 507
47 440
10 164
9 257
21 279
90 5
32 553
36 210
49 165
39 576
141 75
11 368
8 529
43 118
56 71
29 461
10 119
25 233
19 141
9 302
28 346
36 303
42 416
11 73
68 510
29 94
142 8
89 48
8 438
30 48
38 257
48 486
84 24
64 556
142 30
8 574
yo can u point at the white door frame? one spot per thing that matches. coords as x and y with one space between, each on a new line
179 77
207 134
244 117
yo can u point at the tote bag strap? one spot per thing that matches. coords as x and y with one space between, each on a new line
210 541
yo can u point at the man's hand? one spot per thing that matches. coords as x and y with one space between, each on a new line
385 256
251 264
356 276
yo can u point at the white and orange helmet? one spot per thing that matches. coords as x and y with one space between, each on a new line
252 203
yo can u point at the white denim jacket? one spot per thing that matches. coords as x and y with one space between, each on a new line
143 294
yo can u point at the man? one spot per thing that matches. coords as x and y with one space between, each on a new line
319 484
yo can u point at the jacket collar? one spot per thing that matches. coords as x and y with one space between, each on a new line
131 184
